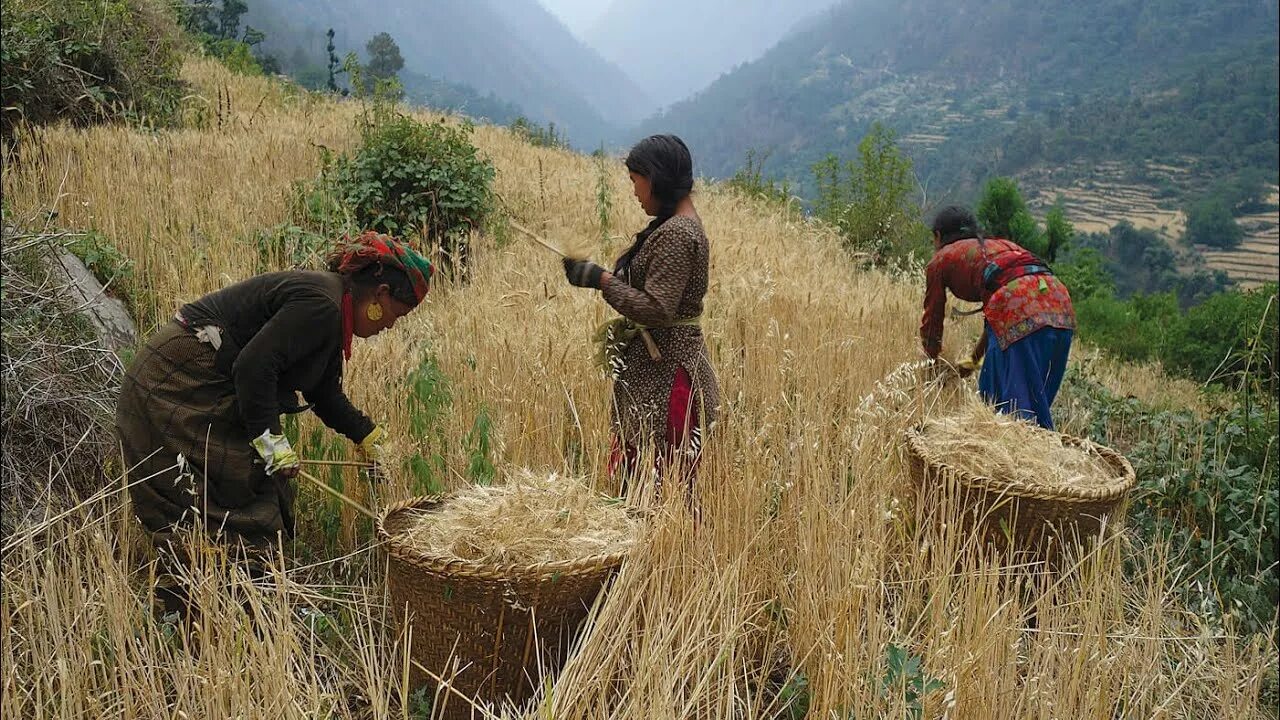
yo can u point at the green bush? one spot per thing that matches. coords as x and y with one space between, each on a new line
869 199
1208 488
236 55
87 61
1209 222
1232 338
535 134
409 177
1003 213
750 181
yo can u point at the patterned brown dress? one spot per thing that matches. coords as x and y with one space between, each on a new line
664 284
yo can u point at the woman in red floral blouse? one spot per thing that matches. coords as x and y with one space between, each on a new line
1029 319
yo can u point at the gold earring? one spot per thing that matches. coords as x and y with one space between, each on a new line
373 311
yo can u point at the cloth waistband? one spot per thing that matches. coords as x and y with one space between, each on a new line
695 321
1014 273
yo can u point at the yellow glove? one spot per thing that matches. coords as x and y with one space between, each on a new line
968 367
371 446
275 451
370 449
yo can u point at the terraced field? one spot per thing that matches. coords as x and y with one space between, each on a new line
1098 203
1257 260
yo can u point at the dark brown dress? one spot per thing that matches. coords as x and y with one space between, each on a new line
664 283
183 403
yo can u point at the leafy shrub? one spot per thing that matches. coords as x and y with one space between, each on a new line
534 134
87 61
108 264
750 181
1003 213
868 200
236 55
1207 487
411 177
1209 222
1232 338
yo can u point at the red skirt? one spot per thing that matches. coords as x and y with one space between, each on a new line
681 446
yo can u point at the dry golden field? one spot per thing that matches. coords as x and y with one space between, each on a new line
810 557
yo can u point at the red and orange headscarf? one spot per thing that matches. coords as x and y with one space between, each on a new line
374 248
371 247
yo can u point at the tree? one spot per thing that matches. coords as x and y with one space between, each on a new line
872 208
1058 231
334 63
229 17
384 57
1209 222
1003 213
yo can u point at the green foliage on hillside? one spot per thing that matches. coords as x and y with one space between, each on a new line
1141 262
409 179
84 62
538 135
751 181
1007 87
215 26
1003 213
385 61
1227 338
1207 486
868 199
1209 222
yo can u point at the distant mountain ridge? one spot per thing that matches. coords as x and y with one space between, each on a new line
513 49
710 37
975 88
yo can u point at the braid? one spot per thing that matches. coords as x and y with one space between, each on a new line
666 162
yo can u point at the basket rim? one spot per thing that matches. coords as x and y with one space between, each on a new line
476 570
1111 491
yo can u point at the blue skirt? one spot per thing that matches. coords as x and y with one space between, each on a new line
1024 379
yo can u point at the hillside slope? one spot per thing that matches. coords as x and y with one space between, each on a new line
978 88
513 49
808 567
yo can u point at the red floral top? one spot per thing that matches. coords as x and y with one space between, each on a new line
1014 311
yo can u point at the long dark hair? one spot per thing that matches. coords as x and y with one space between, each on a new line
666 162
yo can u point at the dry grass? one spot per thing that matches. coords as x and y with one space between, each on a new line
809 557
530 518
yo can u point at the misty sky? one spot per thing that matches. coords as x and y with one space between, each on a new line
577 15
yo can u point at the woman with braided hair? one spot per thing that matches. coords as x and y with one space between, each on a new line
665 394
206 392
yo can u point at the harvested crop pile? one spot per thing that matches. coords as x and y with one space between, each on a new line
984 443
533 518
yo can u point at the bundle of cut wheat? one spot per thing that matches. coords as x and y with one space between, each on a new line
983 443
532 518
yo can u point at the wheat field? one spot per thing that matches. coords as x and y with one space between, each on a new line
810 559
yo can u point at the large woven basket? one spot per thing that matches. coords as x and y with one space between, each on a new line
1021 518
490 631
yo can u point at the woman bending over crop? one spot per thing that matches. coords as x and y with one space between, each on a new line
665 394
207 391
1029 318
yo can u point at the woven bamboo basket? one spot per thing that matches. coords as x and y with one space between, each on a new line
1021 518
491 631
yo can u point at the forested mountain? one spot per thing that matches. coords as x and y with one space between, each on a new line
673 48
512 49
977 89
